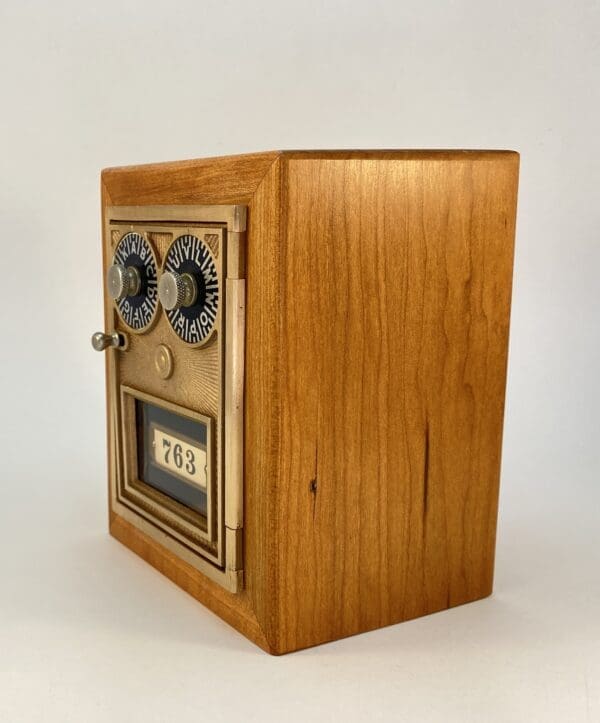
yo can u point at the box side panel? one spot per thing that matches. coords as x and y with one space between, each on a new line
394 328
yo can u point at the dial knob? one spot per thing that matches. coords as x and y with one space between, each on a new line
123 281
132 281
177 290
193 312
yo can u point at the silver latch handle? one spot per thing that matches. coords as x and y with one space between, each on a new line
102 341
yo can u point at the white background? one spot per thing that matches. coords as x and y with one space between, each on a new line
87 630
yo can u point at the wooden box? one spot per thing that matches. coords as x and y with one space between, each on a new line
377 300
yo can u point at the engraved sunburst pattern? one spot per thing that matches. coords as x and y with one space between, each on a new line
189 254
138 311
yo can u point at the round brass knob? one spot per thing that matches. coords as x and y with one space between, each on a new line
177 290
122 281
163 361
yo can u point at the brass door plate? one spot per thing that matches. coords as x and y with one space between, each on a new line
202 382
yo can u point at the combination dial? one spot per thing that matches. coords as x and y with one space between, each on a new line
132 281
189 289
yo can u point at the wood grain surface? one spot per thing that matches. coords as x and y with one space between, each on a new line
225 180
378 300
394 326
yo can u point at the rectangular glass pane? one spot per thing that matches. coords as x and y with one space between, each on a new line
173 455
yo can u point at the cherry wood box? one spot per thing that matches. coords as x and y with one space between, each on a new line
378 287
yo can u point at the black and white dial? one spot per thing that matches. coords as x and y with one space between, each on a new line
189 289
132 281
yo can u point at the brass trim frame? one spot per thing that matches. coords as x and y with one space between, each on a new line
167 518
234 402
234 216
220 559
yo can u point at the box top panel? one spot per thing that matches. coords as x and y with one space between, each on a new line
235 179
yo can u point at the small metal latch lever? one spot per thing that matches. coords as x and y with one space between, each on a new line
101 341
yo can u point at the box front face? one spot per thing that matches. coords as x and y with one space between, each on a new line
176 298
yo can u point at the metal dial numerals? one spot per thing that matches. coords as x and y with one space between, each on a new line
138 311
189 255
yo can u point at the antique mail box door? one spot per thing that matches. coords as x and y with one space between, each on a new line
175 277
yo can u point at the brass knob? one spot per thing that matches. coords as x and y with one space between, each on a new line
176 290
163 361
122 281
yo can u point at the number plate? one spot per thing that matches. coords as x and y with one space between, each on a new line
179 457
